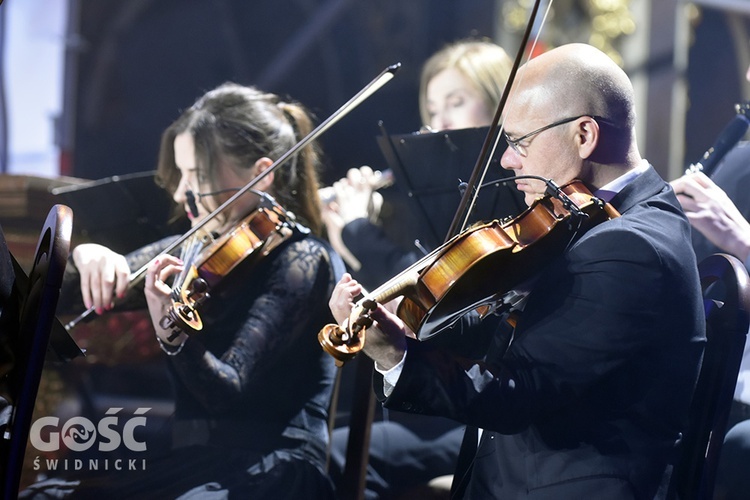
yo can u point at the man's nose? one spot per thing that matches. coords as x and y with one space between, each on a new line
510 159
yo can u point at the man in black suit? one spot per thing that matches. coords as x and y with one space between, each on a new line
589 398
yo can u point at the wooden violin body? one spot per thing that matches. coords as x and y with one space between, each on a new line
494 256
251 239
474 269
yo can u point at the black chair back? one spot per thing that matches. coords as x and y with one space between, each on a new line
29 346
726 295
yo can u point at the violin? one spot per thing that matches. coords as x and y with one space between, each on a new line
211 259
474 269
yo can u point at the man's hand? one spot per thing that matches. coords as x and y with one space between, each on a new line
385 341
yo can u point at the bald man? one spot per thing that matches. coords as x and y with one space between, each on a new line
590 397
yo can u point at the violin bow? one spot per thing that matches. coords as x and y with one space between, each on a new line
384 77
469 197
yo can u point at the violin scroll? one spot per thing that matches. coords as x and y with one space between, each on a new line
345 343
183 316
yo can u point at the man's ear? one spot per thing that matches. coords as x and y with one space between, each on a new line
261 166
588 137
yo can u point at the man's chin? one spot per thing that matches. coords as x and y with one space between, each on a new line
530 198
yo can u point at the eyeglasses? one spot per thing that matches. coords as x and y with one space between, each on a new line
521 150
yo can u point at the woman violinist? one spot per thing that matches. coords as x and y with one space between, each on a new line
253 387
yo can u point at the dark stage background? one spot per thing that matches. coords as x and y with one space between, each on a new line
143 61
139 62
718 60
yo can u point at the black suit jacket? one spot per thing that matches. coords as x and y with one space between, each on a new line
590 399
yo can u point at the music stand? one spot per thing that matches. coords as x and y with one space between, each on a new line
123 212
428 168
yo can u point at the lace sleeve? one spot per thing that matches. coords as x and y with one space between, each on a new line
269 321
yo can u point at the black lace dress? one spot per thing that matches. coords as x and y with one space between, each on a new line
252 390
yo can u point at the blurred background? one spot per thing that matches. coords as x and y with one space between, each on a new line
87 86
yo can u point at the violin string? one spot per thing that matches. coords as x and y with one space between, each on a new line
188 253
391 287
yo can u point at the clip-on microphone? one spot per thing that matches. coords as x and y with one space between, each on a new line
191 203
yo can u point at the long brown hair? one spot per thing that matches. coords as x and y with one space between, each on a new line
236 125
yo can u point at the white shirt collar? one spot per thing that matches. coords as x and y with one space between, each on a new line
609 190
